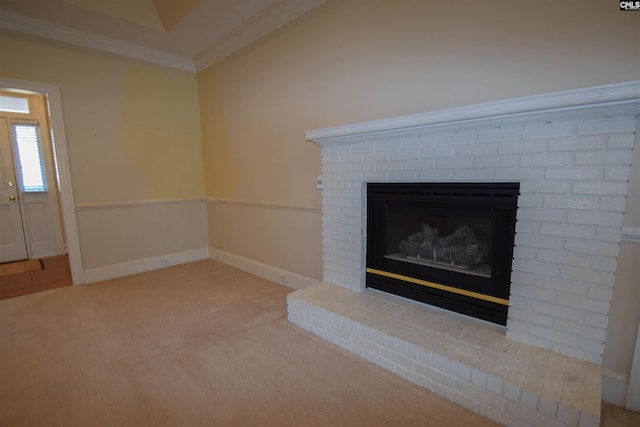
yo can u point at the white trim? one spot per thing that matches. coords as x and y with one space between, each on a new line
595 101
631 234
139 266
22 24
62 153
283 277
260 25
315 211
632 400
81 207
614 387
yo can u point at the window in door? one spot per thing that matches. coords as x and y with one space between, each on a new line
29 159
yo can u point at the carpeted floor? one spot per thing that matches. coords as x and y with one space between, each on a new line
200 344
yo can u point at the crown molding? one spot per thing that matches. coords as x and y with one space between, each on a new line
260 25
619 98
22 24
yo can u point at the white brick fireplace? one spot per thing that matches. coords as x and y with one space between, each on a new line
571 154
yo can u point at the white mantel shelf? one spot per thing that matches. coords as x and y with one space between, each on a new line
620 98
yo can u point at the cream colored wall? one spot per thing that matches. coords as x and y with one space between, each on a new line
625 305
133 128
349 61
133 135
285 237
117 235
625 312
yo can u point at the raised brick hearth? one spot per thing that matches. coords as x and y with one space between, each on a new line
571 154
467 361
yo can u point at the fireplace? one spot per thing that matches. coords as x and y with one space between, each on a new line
571 154
446 244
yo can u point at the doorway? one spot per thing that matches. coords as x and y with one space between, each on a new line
29 211
66 204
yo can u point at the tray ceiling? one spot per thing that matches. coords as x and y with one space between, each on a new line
186 34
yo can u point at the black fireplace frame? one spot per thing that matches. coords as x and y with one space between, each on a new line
481 297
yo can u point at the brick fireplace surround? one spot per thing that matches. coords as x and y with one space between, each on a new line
571 152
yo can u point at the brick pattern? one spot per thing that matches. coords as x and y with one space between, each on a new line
464 360
573 179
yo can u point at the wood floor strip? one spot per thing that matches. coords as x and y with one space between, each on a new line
55 273
18 267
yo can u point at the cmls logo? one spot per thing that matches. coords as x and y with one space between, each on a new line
630 5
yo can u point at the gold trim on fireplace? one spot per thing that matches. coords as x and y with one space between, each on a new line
439 286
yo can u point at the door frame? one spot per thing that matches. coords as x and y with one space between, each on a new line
67 202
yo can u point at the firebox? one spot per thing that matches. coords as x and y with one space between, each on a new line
445 244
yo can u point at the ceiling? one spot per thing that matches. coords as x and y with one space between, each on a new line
185 34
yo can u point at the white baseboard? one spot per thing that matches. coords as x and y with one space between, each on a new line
283 277
614 387
139 266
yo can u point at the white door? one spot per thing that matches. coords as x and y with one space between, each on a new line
31 181
13 245
38 188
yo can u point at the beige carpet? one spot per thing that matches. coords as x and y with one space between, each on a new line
199 344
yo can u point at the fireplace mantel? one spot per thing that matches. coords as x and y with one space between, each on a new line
595 101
